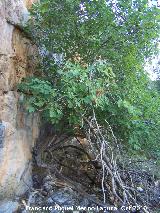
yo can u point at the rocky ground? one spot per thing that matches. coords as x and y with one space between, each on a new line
73 181
67 179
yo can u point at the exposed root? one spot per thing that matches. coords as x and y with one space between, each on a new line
93 167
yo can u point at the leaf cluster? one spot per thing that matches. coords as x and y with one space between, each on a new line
92 57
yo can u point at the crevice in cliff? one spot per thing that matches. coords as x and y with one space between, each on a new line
21 28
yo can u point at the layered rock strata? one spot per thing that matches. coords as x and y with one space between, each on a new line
18 129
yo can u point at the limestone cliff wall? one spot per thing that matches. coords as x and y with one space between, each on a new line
18 130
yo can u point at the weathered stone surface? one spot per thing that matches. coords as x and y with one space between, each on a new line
2 134
18 129
8 206
23 52
16 12
6 31
7 73
8 107
19 132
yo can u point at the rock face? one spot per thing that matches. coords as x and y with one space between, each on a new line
18 129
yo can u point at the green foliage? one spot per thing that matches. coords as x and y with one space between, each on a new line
92 57
73 94
156 84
